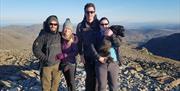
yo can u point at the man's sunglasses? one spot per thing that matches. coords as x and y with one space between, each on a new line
53 24
104 24
91 12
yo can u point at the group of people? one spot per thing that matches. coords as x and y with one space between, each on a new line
96 44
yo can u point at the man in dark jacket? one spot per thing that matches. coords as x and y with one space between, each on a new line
46 46
86 32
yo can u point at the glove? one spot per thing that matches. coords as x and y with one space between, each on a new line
61 56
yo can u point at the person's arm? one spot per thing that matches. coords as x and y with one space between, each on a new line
80 43
72 53
37 48
116 44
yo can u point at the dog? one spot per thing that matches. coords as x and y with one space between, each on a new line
118 30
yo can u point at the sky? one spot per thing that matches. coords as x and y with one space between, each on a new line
36 11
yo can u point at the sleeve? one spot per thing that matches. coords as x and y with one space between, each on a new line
116 44
37 48
95 46
118 53
79 44
95 53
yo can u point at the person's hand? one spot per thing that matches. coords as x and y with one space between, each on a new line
70 41
61 56
66 68
109 32
102 59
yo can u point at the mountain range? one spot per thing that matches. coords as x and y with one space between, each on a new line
166 46
22 37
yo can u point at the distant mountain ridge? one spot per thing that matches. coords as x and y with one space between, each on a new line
166 46
137 35
18 36
141 35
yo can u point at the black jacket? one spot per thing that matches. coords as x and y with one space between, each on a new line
47 45
87 34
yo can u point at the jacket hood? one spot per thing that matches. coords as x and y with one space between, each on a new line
48 21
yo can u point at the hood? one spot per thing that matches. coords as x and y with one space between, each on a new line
47 23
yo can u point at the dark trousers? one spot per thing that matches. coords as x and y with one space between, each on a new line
90 81
69 71
107 73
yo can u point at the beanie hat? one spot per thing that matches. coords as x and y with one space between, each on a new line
68 24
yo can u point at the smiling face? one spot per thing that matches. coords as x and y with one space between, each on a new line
53 26
67 32
104 24
90 14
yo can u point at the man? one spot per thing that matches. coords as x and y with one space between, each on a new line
86 32
46 46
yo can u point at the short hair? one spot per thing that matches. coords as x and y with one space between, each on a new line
104 18
89 5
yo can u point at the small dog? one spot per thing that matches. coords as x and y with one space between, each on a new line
118 30
104 51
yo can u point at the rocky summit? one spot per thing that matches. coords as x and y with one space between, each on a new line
19 72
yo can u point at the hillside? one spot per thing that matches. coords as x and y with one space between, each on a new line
141 71
139 33
18 37
166 46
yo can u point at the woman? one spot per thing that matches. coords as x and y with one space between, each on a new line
69 52
106 65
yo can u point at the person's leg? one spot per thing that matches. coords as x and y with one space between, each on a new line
70 77
101 75
56 76
90 81
46 78
113 70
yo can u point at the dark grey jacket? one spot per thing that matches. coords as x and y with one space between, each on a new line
47 45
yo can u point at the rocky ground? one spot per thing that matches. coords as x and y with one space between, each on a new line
19 72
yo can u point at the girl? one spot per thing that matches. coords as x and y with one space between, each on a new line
68 55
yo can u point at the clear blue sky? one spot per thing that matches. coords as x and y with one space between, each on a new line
36 11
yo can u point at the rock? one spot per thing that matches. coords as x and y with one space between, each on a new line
165 79
154 73
133 71
9 85
14 78
135 66
126 72
124 89
6 84
174 84
31 73
35 88
15 89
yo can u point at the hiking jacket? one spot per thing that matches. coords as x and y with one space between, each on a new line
47 45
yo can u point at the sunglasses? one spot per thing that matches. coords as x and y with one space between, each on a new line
53 24
104 24
90 12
